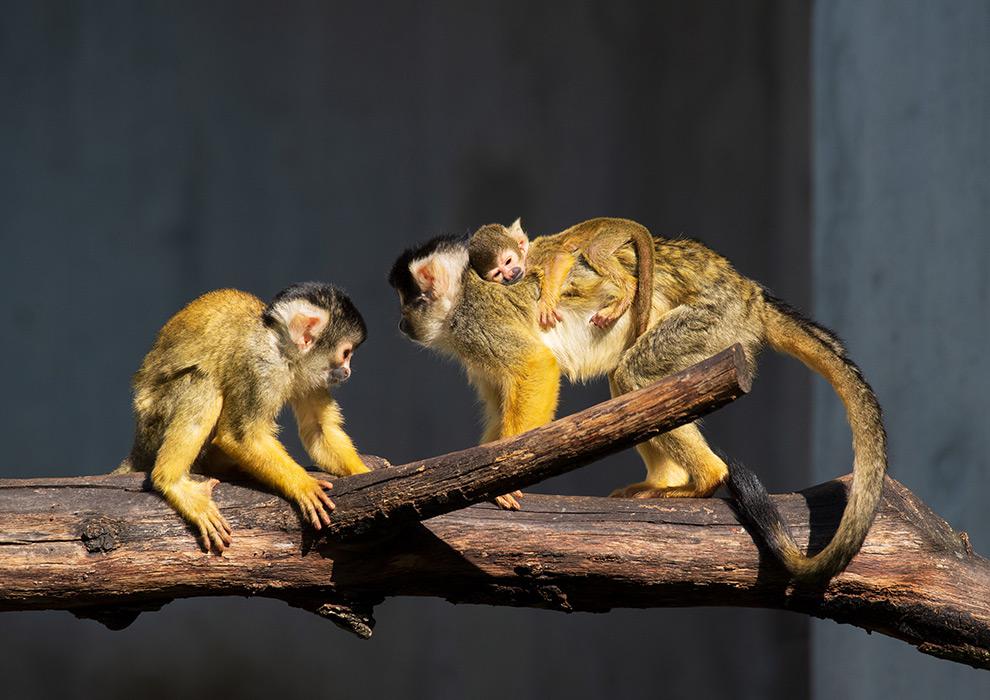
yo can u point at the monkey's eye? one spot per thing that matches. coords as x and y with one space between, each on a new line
347 353
497 275
508 261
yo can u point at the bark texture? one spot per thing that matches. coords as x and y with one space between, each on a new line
105 547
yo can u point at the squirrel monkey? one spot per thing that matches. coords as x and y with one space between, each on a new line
701 306
503 255
208 393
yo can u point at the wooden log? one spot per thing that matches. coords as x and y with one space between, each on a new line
104 547
107 548
119 508
437 485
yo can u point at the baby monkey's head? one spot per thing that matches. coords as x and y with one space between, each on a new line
498 254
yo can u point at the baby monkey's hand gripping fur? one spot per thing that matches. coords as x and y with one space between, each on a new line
504 255
700 306
208 394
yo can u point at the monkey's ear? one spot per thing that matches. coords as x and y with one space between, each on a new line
519 236
431 276
304 322
439 274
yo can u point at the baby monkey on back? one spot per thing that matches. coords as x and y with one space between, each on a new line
208 394
503 255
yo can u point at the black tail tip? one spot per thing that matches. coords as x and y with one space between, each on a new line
755 508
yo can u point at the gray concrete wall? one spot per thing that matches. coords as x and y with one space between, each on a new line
152 151
902 271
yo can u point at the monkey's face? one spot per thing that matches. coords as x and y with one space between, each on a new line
340 363
509 267
320 329
428 281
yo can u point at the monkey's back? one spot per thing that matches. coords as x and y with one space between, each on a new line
203 333
574 240
687 271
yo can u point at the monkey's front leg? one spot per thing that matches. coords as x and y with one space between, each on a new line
490 396
259 454
320 429
554 275
530 391
529 400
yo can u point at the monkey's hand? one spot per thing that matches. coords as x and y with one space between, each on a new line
314 503
508 501
549 316
194 502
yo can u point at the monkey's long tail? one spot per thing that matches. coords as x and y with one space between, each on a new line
126 466
789 332
643 303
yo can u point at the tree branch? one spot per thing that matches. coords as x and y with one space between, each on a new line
104 547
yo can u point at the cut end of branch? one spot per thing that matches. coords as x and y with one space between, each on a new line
744 374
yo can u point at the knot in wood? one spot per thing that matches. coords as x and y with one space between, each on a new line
100 534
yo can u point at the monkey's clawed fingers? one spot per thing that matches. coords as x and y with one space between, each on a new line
315 504
508 501
214 531
549 317
602 320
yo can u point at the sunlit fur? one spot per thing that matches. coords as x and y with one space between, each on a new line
443 272
701 306
594 244
208 393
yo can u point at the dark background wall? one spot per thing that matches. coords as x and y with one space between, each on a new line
152 151
902 267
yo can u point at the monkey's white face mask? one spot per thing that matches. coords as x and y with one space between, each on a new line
437 284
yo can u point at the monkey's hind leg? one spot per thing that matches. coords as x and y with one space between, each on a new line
193 417
600 256
679 463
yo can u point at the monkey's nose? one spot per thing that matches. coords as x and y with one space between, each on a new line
516 271
340 374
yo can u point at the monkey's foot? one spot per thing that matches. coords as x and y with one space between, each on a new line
314 503
609 315
194 501
549 316
508 501
645 489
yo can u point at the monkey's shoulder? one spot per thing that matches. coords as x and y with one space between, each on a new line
472 329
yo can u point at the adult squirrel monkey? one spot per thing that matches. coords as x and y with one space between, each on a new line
504 255
208 394
700 306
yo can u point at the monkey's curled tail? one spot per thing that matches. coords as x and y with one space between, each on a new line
787 331
126 466
643 302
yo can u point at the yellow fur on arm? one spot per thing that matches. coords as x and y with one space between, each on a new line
320 429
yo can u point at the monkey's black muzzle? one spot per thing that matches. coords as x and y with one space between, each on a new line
339 375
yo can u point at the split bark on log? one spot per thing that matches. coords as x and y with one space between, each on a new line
105 547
